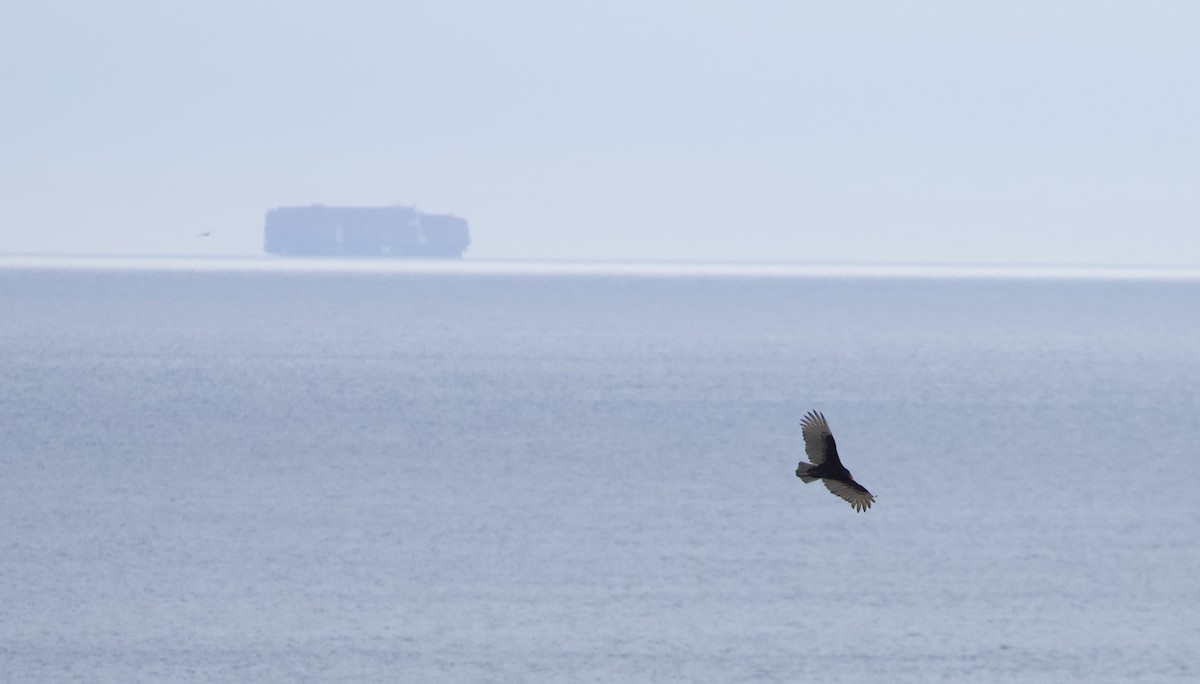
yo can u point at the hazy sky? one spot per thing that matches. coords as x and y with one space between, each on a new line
985 132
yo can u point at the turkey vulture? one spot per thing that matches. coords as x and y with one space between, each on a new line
826 466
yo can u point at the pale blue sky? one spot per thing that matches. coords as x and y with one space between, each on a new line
979 132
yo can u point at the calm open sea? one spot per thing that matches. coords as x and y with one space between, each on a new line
227 475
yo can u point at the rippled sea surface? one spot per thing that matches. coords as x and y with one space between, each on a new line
439 477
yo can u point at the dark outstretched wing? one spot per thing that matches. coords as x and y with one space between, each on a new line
851 491
818 440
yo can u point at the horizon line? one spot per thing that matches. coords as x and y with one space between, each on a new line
599 267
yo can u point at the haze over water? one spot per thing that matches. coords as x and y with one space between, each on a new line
230 474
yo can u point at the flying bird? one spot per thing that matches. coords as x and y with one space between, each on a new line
826 466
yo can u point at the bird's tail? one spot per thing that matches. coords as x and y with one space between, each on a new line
802 472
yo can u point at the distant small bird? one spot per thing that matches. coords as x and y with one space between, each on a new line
826 466
205 234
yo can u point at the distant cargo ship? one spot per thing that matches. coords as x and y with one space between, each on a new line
318 230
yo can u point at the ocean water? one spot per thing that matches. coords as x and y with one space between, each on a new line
231 475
